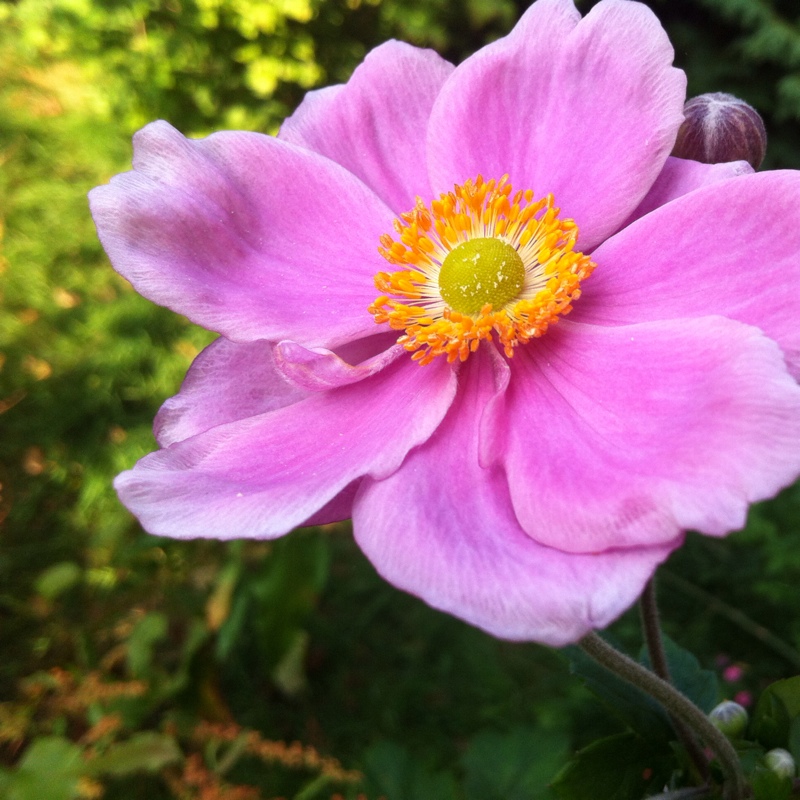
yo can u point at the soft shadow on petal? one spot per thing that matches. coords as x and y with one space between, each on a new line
680 176
228 381
262 476
246 235
443 528
730 249
617 437
336 510
319 370
587 110
375 124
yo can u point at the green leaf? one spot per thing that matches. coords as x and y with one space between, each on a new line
150 630
751 755
58 579
621 767
778 705
767 785
633 707
195 638
392 772
794 739
698 684
273 600
289 675
231 630
143 752
789 693
49 770
517 765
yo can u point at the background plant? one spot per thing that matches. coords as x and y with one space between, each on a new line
195 666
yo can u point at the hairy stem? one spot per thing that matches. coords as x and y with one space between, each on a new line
651 625
676 704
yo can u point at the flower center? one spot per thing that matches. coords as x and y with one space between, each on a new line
478 272
481 261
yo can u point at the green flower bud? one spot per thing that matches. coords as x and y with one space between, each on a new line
730 718
780 761
720 127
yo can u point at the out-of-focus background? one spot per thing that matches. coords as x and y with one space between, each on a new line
136 667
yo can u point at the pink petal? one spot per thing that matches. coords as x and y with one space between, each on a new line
318 370
262 476
680 176
619 437
443 528
732 249
586 110
246 235
336 510
375 125
228 381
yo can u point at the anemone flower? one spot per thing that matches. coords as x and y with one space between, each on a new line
481 311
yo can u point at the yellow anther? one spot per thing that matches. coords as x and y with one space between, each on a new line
513 289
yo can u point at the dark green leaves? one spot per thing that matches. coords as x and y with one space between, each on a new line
514 765
698 684
391 771
643 758
631 706
143 752
622 767
777 713
517 765
50 768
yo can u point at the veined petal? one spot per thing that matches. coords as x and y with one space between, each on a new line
262 476
228 381
731 249
587 110
246 235
443 528
375 124
681 176
621 437
318 370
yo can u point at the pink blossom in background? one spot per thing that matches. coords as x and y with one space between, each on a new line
744 698
733 673
528 477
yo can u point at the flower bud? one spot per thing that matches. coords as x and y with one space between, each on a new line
780 762
719 127
730 718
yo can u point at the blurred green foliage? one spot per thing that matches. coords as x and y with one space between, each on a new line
194 666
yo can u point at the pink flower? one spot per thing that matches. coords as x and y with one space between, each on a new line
744 698
530 476
733 673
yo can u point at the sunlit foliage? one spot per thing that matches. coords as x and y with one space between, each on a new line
196 666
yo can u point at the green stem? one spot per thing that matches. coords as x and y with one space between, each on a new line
675 703
312 789
651 625
234 752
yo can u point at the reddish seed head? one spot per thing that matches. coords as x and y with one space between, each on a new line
720 127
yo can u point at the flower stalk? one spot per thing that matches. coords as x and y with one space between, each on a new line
676 704
651 626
